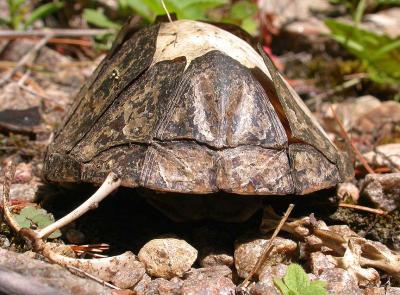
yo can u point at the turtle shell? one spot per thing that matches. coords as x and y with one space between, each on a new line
189 107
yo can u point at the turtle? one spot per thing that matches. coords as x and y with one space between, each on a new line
189 113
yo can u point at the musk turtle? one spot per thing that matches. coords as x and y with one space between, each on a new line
189 108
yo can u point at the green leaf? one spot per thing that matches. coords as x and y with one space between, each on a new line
359 12
242 10
31 215
296 282
250 25
281 286
380 54
43 11
316 287
22 221
99 19
296 278
142 8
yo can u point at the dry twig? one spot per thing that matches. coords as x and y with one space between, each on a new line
94 278
349 141
11 34
363 208
268 247
27 58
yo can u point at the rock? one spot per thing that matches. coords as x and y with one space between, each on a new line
379 124
23 192
4 241
385 155
167 257
351 110
23 173
50 274
266 285
17 284
208 285
286 11
162 286
392 291
248 250
141 286
75 236
340 282
383 190
209 272
215 253
386 21
348 190
215 259
262 289
208 280
374 291
270 273
320 262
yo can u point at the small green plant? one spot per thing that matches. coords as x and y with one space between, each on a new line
19 16
379 54
33 217
241 13
296 282
149 9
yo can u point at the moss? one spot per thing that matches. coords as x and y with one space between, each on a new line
385 229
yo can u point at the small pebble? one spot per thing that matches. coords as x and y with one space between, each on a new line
247 252
167 257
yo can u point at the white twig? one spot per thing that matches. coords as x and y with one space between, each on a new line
8 178
110 184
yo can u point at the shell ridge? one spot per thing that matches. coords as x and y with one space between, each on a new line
279 129
317 137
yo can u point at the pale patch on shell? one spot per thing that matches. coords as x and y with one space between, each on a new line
193 39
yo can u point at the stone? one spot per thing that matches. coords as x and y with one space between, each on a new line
51 275
167 257
385 155
208 272
215 259
208 285
265 284
320 262
383 190
248 250
75 236
348 190
392 291
23 173
262 289
216 252
23 192
349 111
340 282
162 286
208 280
386 21
374 291
286 11
141 286
17 284
378 126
